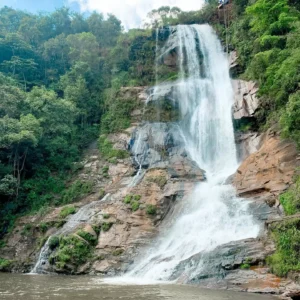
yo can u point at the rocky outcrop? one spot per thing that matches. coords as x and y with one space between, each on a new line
247 143
246 101
228 266
268 172
233 60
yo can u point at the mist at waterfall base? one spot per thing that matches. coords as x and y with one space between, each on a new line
213 215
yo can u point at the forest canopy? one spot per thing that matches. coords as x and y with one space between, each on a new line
55 71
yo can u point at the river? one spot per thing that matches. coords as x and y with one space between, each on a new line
33 287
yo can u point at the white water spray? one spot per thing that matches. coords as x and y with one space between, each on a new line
213 215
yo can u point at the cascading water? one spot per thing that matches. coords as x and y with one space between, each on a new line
213 215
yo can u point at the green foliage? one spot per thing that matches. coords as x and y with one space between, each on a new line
97 229
42 191
55 70
106 216
92 240
66 211
44 227
77 190
162 110
151 209
113 160
117 114
287 238
107 150
105 170
8 185
272 16
106 226
72 250
290 200
53 242
245 266
4 264
133 200
206 15
290 119
135 205
127 199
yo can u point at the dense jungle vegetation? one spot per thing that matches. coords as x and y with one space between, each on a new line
59 74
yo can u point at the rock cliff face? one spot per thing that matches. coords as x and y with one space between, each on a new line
269 171
246 102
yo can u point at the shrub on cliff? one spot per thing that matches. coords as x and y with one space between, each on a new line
66 211
72 250
76 190
151 209
290 119
108 152
5 264
290 200
53 242
287 238
91 239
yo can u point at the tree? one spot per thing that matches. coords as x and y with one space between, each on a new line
106 31
84 48
273 16
22 69
29 30
56 56
18 136
11 98
10 20
78 24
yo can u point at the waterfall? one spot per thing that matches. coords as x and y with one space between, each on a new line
213 215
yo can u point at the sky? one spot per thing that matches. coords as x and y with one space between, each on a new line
131 12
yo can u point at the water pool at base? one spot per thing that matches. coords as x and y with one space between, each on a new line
34 287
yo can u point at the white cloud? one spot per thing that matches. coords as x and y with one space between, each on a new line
132 12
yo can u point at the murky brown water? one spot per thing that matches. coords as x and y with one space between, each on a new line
27 287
